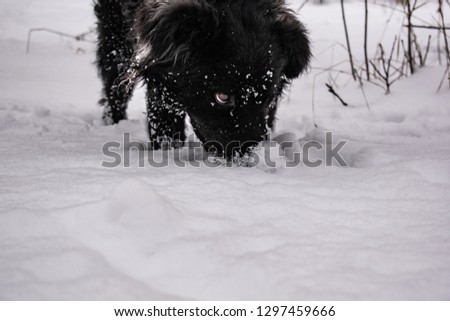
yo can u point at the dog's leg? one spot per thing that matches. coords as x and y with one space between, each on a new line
114 54
166 118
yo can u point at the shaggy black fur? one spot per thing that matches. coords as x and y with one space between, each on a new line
224 63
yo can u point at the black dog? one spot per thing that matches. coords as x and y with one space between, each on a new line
224 63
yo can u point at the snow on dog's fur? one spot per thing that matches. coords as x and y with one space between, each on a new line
223 63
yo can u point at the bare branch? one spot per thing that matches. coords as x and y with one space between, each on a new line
302 5
332 91
366 22
348 41
80 37
427 27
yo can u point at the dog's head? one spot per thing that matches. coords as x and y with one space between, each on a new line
226 62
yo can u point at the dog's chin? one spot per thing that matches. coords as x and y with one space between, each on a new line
228 144
230 150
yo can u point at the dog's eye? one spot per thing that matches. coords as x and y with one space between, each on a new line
224 99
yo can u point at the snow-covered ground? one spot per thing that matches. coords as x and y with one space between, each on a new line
378 229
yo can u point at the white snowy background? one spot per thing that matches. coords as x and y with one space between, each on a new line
378 229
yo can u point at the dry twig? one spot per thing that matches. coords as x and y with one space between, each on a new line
332 91
80 37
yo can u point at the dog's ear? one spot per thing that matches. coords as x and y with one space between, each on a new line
169 32
294 40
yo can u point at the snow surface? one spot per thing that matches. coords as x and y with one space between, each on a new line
72 229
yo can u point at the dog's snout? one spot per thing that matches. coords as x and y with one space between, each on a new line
244 126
